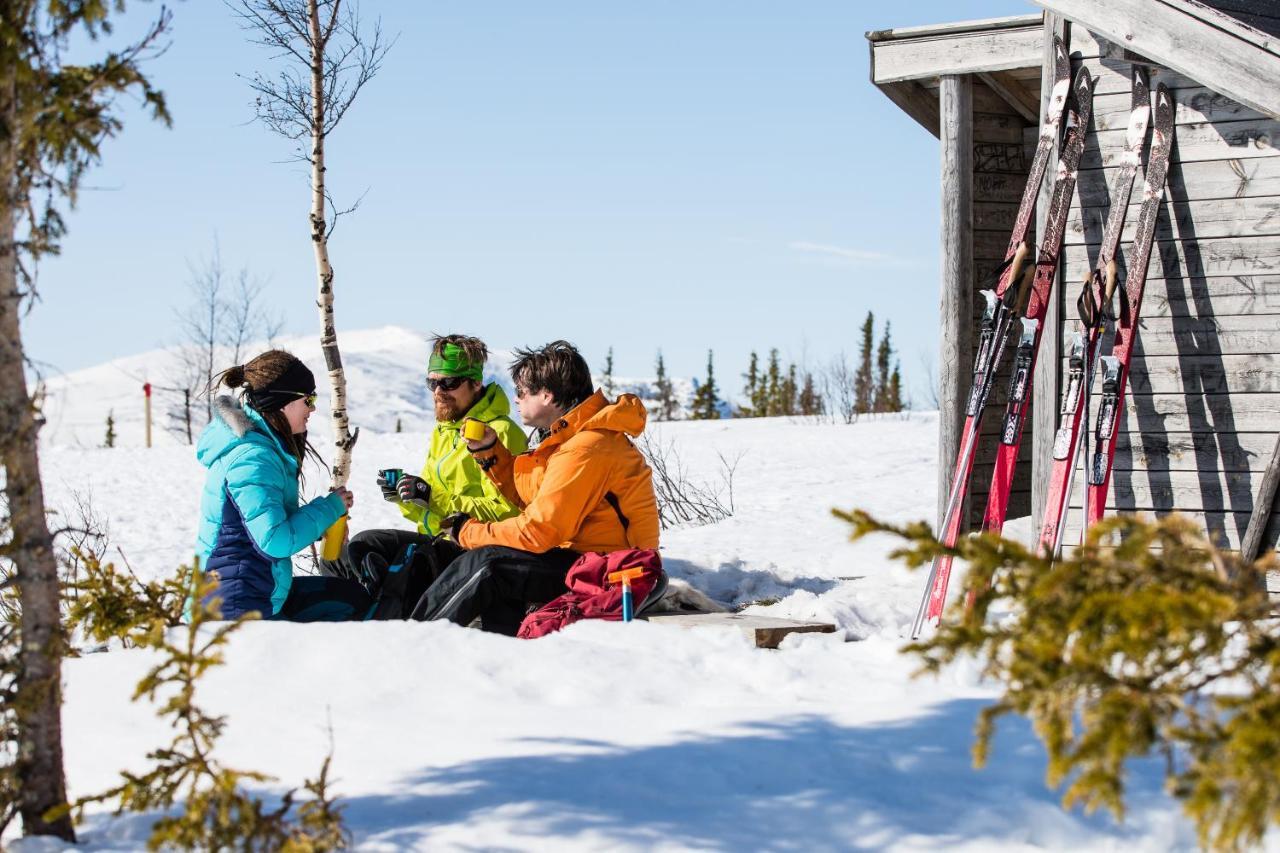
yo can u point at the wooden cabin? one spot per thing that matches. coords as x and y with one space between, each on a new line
1199 430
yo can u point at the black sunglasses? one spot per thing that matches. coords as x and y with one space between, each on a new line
448 383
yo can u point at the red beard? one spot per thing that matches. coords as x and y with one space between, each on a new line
447 410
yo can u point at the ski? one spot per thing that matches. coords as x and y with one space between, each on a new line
1033 318
1002 305
1095 311
1116 367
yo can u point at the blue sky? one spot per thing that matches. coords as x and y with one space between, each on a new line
675 175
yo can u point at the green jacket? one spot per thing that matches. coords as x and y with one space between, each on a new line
457 483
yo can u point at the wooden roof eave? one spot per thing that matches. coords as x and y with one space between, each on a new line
903 59
1192 39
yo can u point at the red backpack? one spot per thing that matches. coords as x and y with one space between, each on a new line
592 596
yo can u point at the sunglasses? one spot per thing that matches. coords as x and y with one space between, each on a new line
309 399
448 383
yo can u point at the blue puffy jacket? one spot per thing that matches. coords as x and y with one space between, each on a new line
250 521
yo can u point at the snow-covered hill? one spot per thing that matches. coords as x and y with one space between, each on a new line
385 370
611 736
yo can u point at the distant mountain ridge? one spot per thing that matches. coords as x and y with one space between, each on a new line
385 369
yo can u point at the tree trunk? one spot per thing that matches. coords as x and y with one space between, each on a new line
39 700
343 439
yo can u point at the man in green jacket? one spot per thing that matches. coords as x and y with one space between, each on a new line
450 481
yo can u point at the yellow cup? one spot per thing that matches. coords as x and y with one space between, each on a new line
331 548
473 430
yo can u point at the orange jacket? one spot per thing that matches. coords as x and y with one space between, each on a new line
563 486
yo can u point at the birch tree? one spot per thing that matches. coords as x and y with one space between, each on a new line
54 118
326 61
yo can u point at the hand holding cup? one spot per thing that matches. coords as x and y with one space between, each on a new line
479 435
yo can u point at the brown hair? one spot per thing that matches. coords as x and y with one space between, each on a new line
259 372
473 348
556 367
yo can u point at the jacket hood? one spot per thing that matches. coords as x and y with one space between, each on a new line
234 424
626 415
493 404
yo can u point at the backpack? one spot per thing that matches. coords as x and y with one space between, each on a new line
592 596
401 584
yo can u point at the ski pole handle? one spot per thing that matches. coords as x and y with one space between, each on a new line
1024 290
1109 287
1019 260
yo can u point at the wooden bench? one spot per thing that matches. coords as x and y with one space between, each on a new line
765 631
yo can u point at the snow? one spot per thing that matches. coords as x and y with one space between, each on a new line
607 736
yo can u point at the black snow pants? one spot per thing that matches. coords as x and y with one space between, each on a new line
497 584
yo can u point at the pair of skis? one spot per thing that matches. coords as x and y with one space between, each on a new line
1096 315
1008 302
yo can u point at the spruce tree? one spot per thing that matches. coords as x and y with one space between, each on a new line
111 430
864 381
706 402
751 391
773 386
789 391
810 401
895 389
667 404
606 380
883 355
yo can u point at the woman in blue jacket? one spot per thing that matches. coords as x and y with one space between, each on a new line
250 520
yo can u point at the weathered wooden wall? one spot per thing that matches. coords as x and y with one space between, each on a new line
1204 393
1001 161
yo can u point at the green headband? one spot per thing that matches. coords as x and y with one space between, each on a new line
453 362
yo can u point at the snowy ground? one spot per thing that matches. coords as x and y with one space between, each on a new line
611 736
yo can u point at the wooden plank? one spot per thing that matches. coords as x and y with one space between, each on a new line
1001 157
935 55
1042 421
1222 413
1209 179
1202 374
1193 105
1226 256
1244 334
766 632
1005 22
1218 297
1112 78
916 102
1195 491
1221 217
998 127
1187 451
1224 528
1003 187
1251 545
1171 33
1193 142
956 356
1014 94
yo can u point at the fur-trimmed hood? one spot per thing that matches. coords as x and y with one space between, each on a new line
235 424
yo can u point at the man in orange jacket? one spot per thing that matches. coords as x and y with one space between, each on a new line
582 487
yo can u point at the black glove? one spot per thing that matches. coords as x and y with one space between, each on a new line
388 489
451 525
414 490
